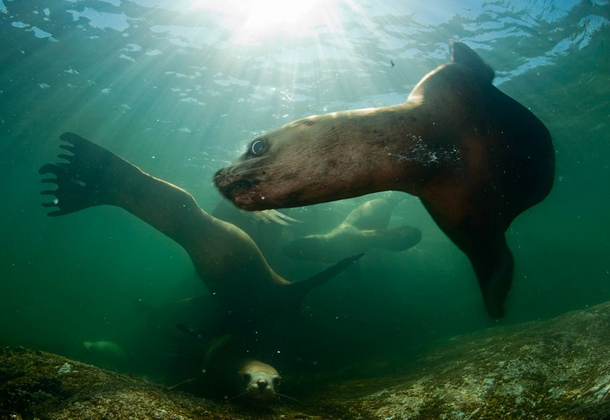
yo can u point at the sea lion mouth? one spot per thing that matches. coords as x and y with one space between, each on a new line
260 395
241 191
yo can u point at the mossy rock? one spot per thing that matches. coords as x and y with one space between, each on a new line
555 369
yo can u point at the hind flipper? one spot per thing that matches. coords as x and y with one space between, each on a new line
462 54
301 288
398 238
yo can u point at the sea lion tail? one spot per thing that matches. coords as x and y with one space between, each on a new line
301 288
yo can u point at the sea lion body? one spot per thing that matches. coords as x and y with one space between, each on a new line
231 265
363 229
474 156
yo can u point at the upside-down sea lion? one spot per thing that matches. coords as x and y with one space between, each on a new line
224 256
474 156
364 228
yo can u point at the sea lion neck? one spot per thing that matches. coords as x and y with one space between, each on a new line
361 151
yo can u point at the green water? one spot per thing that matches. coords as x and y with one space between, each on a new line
173 91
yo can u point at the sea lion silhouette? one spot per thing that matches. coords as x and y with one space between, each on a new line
474 156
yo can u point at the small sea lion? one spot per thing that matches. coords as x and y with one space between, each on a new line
474 156
364 228
224 256
103 353
230 369
104 347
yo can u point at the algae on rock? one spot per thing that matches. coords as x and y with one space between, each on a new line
555 369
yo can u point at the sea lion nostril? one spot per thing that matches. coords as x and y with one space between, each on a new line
262 384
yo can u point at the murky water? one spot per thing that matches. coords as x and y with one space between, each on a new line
179 89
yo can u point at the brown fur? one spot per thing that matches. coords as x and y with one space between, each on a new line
475 157
224 256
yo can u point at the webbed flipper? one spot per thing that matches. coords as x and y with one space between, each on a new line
301 288
87 179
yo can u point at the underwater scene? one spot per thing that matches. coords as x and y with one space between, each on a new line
323 209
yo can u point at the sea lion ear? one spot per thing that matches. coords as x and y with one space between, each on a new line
462 54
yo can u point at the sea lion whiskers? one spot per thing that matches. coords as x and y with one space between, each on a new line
286 396
251 170
268 216
236 396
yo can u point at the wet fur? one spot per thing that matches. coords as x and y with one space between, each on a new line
224 256
474 156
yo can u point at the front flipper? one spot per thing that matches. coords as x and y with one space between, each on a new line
494 266
87 180
483 241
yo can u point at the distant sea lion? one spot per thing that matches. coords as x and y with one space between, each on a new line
474 156
104 347
224 256
364 228
232 370
103 353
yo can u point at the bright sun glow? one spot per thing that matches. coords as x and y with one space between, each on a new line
262 19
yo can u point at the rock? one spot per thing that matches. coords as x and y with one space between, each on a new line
38 384
555 369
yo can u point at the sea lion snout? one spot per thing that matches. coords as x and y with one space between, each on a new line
238 189
262 384
222 179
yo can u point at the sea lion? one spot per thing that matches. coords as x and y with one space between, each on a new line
231 368
224 256
474 156
263 231
104 347
364 228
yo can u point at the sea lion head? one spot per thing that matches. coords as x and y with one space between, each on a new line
301 163
259 380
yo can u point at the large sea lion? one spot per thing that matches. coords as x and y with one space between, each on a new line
224 256
364 228
474 156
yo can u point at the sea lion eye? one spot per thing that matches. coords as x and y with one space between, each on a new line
246 377
276 381
258 147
